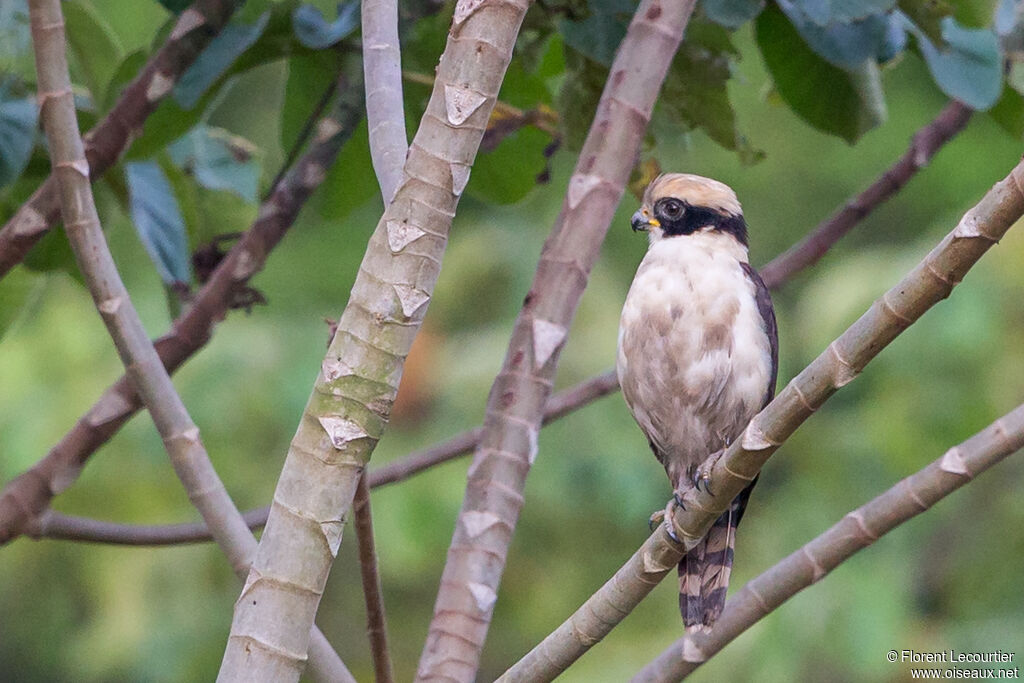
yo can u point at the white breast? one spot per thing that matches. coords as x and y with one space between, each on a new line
694 358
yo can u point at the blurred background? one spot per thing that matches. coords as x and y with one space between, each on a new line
949 579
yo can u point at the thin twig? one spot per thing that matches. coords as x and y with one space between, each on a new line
930 282
857 530
54 525
515 407
108 140
29 494
300 141
376 620
78 211
923 146
385 108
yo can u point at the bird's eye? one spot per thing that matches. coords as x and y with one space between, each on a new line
672 208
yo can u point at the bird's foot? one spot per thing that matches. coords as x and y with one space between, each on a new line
657 517
702 473
665 516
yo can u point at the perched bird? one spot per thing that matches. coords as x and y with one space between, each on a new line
697 356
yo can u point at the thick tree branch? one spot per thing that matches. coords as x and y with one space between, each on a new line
923 146
930 282
353 394
55 525
105 143
376 621
857 530
29 494
385 108
497 477
147 374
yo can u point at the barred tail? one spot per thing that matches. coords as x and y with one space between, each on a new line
704 571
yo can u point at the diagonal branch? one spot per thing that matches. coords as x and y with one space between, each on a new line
923 146
105 143
376 622
385 109
508 446
81 221
353 394
930 282
29 494
857 530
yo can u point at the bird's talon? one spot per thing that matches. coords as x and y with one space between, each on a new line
706 479
667 513
657 518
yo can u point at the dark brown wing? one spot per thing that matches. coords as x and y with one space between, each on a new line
767 311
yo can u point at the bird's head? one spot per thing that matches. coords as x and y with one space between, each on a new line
678 204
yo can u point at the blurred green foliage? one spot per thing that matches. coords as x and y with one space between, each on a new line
949 579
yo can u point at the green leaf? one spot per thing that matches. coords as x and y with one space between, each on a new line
158 221
845 44
598 36
176 6
213 62
695 93
833 100
508 172
309 77
928 15
578 97
969 68
15 36
17 132
348 185
974 13
826 12
219 161
126 71
1008 112
95 46
732 13
187 193
317 33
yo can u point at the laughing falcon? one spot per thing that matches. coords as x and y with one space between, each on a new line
697 356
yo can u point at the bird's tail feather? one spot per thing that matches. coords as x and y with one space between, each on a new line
704 572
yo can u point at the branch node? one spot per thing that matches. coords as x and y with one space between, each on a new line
401 235
953 462
80 166
547 338
341 431
460 103
817 571
483 595
159 86
846 372
189 21
858 518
